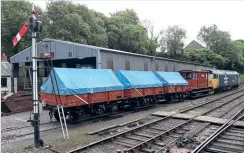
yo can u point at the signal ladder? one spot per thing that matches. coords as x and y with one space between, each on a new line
61 114
62 120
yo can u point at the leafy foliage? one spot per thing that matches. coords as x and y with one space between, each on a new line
13 15
172 41
125 32
205 56
220 43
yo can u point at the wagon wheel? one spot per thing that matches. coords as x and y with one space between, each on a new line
57 116
74 117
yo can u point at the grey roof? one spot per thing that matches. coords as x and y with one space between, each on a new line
224 72
6 69
194 45
80 51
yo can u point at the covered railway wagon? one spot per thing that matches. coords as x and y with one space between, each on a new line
140 87
174 84
78 90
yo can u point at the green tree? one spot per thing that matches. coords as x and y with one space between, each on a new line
76 23
238 45
205 56
13 16
154 38
125 32
172 41
215 39
220 43
65 22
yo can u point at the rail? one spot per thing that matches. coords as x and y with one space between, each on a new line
221 130
188 121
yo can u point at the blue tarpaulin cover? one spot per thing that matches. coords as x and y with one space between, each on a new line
171 78
73 81
138 79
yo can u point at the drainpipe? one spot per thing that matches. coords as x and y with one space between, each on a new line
98 60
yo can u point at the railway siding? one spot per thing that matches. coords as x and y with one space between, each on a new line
142 138
217 143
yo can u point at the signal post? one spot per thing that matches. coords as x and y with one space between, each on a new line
35 27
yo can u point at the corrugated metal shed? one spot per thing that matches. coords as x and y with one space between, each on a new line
105 58
61 50
6 70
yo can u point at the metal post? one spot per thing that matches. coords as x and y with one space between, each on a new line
35 94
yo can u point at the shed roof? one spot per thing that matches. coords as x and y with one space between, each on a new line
17 58
6 69
224 72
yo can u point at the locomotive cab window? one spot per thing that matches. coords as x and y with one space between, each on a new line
211 76
194 76
187 75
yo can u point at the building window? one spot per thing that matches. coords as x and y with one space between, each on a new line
127 64
145 66
3 82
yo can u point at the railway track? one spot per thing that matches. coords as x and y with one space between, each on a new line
226 139
9 129
113 128
175 135
138 137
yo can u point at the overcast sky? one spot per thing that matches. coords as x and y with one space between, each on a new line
191 15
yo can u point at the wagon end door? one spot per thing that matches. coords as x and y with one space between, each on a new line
202 80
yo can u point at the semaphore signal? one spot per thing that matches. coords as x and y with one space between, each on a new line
20 34
34 26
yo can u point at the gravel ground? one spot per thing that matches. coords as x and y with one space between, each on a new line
206 107
233 111
229 108
78 136
20 119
